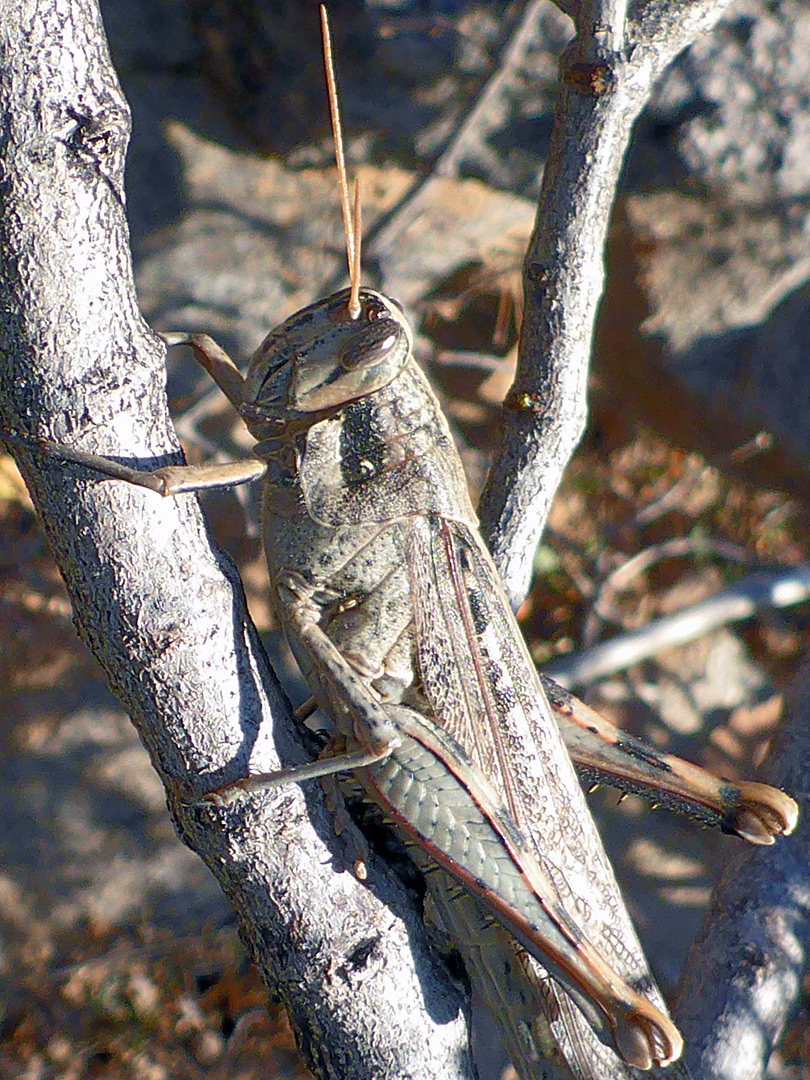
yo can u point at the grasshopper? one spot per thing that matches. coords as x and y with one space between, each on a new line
394 611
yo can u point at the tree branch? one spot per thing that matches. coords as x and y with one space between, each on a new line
754 593
731 1009
161 609
606 77
746 966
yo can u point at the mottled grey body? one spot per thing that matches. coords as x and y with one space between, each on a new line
399 624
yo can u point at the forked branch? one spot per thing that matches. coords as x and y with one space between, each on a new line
607 74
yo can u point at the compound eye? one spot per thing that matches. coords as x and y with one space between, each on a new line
375 311
370 343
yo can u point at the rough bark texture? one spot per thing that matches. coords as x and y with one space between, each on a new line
745 969
606 77
163 611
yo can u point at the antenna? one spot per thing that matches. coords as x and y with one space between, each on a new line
351 226
357 229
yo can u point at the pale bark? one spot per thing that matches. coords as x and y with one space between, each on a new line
607 75
162 609
746 967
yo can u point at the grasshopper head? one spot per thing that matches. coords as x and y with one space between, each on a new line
321 358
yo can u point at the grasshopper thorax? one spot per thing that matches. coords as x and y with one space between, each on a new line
321 358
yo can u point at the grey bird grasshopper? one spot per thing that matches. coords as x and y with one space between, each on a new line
399 624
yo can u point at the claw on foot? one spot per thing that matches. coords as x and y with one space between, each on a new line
646 1037
763 813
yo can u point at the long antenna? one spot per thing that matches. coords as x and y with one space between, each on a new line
357 228
350 227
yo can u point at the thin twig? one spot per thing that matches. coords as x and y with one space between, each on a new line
755 593
673 496
599 608
469 135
